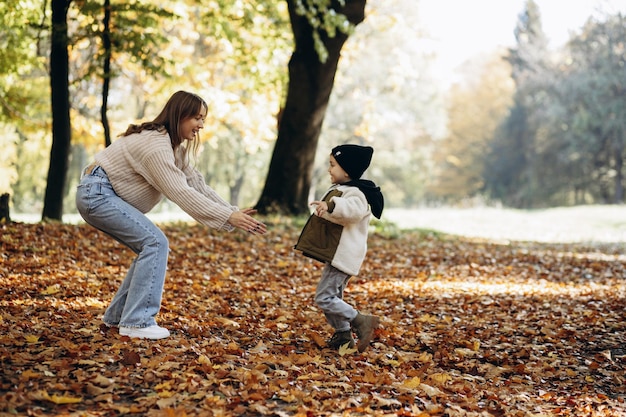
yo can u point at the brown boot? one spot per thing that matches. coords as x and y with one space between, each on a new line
341 338
364 326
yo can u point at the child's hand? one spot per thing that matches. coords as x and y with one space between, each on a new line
321 207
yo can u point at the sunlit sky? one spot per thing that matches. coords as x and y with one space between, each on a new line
461 29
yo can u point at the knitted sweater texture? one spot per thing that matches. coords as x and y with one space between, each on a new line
143 167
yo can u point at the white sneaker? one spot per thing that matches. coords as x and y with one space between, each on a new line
151 332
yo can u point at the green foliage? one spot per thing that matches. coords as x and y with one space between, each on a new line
594 107
385 228
24 103
252 36
157 48
324 20
138 31
21 65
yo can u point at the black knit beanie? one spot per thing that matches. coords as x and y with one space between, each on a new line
354 159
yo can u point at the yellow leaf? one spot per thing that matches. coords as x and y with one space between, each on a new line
440 378
62 399
393 363
166 394
412 383
428 318
166 385
52 289
31 338
345 349
205 360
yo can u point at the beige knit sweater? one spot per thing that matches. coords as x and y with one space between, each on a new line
143 168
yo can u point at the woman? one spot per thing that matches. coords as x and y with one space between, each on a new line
128 179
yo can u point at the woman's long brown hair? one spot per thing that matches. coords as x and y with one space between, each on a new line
181 105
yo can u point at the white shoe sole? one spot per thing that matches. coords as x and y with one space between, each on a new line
152 332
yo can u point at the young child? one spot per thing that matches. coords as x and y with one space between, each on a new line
336 234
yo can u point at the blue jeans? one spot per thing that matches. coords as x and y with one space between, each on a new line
138 299
329 297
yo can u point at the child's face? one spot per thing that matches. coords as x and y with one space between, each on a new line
337 174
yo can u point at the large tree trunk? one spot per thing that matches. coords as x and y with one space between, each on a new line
310 84
60 101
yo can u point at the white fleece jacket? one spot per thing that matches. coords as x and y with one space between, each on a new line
352 212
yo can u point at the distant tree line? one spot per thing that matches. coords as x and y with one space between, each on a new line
527 127
568 122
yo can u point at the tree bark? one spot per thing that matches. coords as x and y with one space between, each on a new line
60 101
289 177
106 82
5 216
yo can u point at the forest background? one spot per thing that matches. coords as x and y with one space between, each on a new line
526 127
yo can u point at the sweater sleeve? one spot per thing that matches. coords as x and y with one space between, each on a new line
196 180
204 205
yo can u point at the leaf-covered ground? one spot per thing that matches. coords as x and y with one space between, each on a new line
469 328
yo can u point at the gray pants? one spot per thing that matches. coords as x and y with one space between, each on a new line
329 297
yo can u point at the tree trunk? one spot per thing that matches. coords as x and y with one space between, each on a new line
106 82
619 175
5 216
300 122
61 128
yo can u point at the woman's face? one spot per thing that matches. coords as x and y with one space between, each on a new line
337 174
190 127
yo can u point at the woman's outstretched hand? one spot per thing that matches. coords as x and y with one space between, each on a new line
243 220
